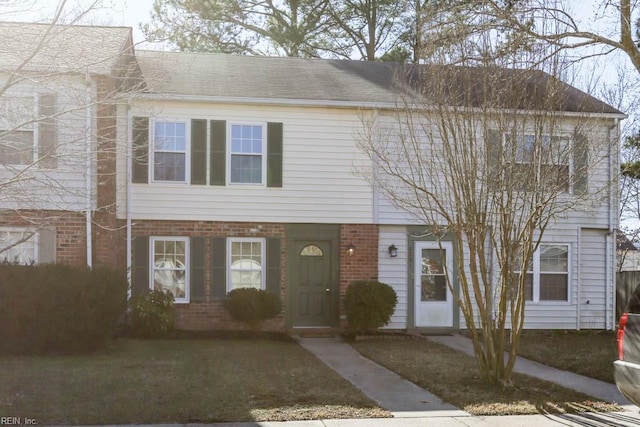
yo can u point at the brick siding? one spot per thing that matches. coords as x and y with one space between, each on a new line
211 315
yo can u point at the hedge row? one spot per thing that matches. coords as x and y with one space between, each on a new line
58 308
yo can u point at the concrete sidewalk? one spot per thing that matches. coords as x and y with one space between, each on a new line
414 406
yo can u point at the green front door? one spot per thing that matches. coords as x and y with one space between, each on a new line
313 288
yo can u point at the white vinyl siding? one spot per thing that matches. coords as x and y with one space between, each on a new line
393 271
321 171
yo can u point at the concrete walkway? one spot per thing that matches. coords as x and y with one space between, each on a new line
588 386
392 392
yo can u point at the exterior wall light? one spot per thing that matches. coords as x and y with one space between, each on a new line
351 249
393 251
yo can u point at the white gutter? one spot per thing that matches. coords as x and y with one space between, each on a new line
129 142
579 270
88 160
341 104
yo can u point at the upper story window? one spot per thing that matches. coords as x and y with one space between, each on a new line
17 130
18 246
246 154
548 275
541 157
170 151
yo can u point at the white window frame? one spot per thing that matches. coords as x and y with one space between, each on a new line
263 253
35 239
187 258
534 270
263 154
152 149
32 127
568 140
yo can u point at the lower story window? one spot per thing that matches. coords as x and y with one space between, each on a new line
18 246
169 266
548 275
246 263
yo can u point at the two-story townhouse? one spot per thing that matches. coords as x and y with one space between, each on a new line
246 171
59 85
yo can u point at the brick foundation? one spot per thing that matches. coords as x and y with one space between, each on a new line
211 315
363 265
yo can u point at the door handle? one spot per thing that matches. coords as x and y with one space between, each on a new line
328 290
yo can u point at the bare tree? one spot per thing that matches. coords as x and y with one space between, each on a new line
485 157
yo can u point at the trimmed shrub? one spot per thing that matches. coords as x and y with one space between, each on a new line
152 314
252 306
55 308
369 305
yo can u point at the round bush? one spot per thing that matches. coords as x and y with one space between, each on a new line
152 314
252 306
369 305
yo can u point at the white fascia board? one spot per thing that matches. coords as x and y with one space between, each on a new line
283 102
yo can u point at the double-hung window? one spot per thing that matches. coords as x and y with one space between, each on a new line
246 261
548 275
170 266
19 246
540 158
170 150
17 130
247 154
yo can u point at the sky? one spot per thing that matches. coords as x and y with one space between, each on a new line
133 12
127 13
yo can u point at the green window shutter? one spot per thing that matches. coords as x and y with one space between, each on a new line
274 154
140 272
47 132
273 265
218 135
196 273
140 150
198 152
493 147
218 267
580 163
47 246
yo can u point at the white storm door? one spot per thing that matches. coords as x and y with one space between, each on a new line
433 299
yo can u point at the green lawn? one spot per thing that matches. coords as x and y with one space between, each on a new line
589 353
454 377
179 381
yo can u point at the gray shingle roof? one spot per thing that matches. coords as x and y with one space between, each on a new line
358 82
62 48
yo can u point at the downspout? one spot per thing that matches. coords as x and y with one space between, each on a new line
579 270
610 261
88 160
129 158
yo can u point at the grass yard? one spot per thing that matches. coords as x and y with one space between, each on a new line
179 381
454 377
589 353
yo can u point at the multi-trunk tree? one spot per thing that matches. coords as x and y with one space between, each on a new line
486 158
